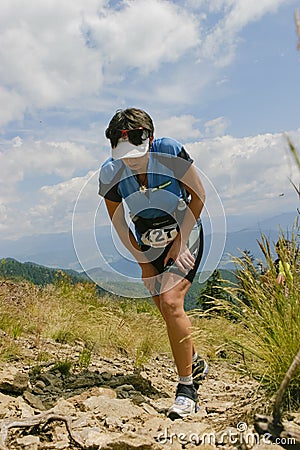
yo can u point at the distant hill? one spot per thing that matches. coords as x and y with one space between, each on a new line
35 273
86 253
41 275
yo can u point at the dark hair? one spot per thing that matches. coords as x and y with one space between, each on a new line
129 119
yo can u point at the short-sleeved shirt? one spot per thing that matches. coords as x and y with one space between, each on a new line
168 162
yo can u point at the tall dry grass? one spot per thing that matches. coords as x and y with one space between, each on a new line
68 313
269 314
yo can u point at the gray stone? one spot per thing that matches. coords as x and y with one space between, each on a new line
49 379
37 391
115 407
12 380
161 405
40 385
218 407
93 437
64 407
34 401
106 376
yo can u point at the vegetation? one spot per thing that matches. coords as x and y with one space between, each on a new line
269 317
40 275
68 313
214 289
253 325
35 273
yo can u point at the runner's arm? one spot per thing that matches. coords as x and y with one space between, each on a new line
179 252
192 183
117 216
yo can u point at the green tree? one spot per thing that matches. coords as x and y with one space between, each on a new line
214 289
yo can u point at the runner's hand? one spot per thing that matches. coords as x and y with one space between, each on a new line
183 258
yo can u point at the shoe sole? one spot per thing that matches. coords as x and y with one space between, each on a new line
173 415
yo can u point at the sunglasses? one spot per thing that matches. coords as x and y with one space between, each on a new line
136 136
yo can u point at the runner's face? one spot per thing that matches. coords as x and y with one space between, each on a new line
137 164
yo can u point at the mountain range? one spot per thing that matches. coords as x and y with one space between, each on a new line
88 251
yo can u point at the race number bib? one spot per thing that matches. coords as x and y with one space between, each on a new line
159 237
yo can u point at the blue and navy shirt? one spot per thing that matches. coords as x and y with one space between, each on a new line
168 162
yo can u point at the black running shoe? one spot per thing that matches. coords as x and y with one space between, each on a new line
200 371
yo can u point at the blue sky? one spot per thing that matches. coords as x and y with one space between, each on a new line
222 76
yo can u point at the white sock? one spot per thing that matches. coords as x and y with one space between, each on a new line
188 381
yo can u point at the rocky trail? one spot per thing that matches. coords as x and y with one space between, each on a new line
112 405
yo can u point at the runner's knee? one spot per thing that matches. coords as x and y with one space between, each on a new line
171 306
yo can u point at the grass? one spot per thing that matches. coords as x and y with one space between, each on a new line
68 313
267 317
256 333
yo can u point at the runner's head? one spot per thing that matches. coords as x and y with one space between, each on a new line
130 132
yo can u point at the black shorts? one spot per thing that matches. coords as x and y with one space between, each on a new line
157 255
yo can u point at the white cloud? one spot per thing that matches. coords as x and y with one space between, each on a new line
188 128
250 173
56 53
183 127
44 57
24 164
216 127
59 158
144 34
220 44
15 105
54 209
77 53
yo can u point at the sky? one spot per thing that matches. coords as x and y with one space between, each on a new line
221 76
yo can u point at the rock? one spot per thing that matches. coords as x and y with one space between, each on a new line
5 400
161 405
95 438
24 409
84 420
218 407
295 417
113 423
34 401
29 442
191 432
115 408
121 441
40 385
50 379
149 409
37 391
93 392
64 407
13 381
125 387
106 376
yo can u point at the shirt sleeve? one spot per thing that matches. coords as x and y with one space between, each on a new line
109 181
174 156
